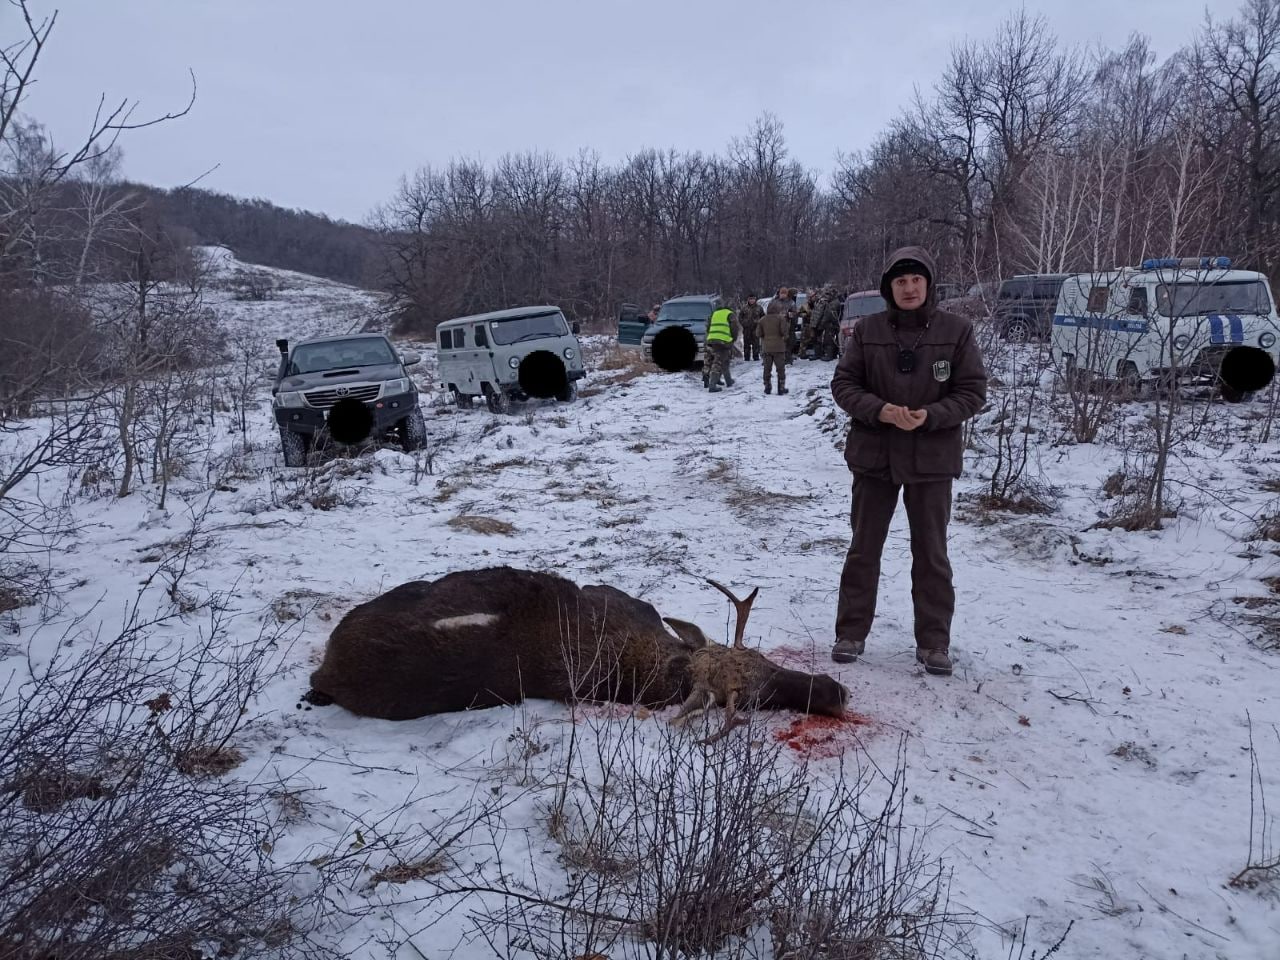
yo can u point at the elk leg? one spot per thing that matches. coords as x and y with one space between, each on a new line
731 720
690 709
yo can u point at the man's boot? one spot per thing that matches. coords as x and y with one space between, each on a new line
728 380
847 651
768 388
936 662
715 388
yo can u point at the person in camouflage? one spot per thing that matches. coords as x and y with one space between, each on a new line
749 316
826 325
774 337
722 333
813 324
788 301
799 324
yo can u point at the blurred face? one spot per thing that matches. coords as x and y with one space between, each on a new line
782 293
751 300
909 290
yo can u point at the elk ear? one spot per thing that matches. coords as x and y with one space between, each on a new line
690 633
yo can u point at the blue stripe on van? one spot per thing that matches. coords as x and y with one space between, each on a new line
1237 328
1113 324
1215 329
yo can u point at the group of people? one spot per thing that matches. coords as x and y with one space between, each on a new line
775 336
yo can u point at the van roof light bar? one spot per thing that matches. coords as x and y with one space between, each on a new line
1197 263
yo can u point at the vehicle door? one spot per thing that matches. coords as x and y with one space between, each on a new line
479 353
631 324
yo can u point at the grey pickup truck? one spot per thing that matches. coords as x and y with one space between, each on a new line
348 388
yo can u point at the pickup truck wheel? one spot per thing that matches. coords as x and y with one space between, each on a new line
295 446
412 431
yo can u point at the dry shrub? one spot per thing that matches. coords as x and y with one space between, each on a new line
121 838
1022 501
676 849
1266 527
407 872
207 761
485 525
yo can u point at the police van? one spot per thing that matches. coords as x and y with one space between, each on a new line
509 355
1169 322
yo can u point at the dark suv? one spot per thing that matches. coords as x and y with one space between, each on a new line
1026 304
691 312
348 388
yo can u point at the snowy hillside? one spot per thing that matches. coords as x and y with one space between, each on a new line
292 305
1088 764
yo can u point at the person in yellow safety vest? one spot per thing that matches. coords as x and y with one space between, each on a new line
722 331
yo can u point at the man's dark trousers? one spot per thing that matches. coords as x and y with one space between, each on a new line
932 593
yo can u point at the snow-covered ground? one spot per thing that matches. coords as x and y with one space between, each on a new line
1088 761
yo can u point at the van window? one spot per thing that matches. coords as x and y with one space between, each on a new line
1098 299
446 339
1201 299
528 327
481 339
1138 301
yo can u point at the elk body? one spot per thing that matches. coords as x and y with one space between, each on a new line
483 638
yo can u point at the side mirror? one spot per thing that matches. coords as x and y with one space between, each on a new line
576 328
410 358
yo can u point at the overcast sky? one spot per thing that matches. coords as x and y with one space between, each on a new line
324 104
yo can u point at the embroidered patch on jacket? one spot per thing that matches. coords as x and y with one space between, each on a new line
942 371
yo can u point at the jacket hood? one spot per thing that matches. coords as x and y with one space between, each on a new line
921 256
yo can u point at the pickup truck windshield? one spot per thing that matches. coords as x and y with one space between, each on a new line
337 354
1200 299
550 324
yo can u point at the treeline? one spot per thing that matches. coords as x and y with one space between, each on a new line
1024 156
83 228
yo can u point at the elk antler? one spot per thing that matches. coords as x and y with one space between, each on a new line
744 610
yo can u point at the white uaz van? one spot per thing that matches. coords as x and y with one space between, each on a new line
509 355
1170 322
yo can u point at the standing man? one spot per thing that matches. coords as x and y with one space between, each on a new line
748 318
788 301
908 379
773 340
722 331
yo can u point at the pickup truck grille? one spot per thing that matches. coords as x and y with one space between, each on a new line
327 397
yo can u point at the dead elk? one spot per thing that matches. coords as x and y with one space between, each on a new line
484 638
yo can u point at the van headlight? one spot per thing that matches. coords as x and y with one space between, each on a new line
291 399
1267 340
392 387
1181 341
569 353
513 363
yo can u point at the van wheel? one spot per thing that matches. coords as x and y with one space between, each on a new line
568 394
1131 387
1231 394
463 400
295 447
412 431
496 400
1072 375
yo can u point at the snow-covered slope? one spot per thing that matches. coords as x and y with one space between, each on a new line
292 305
